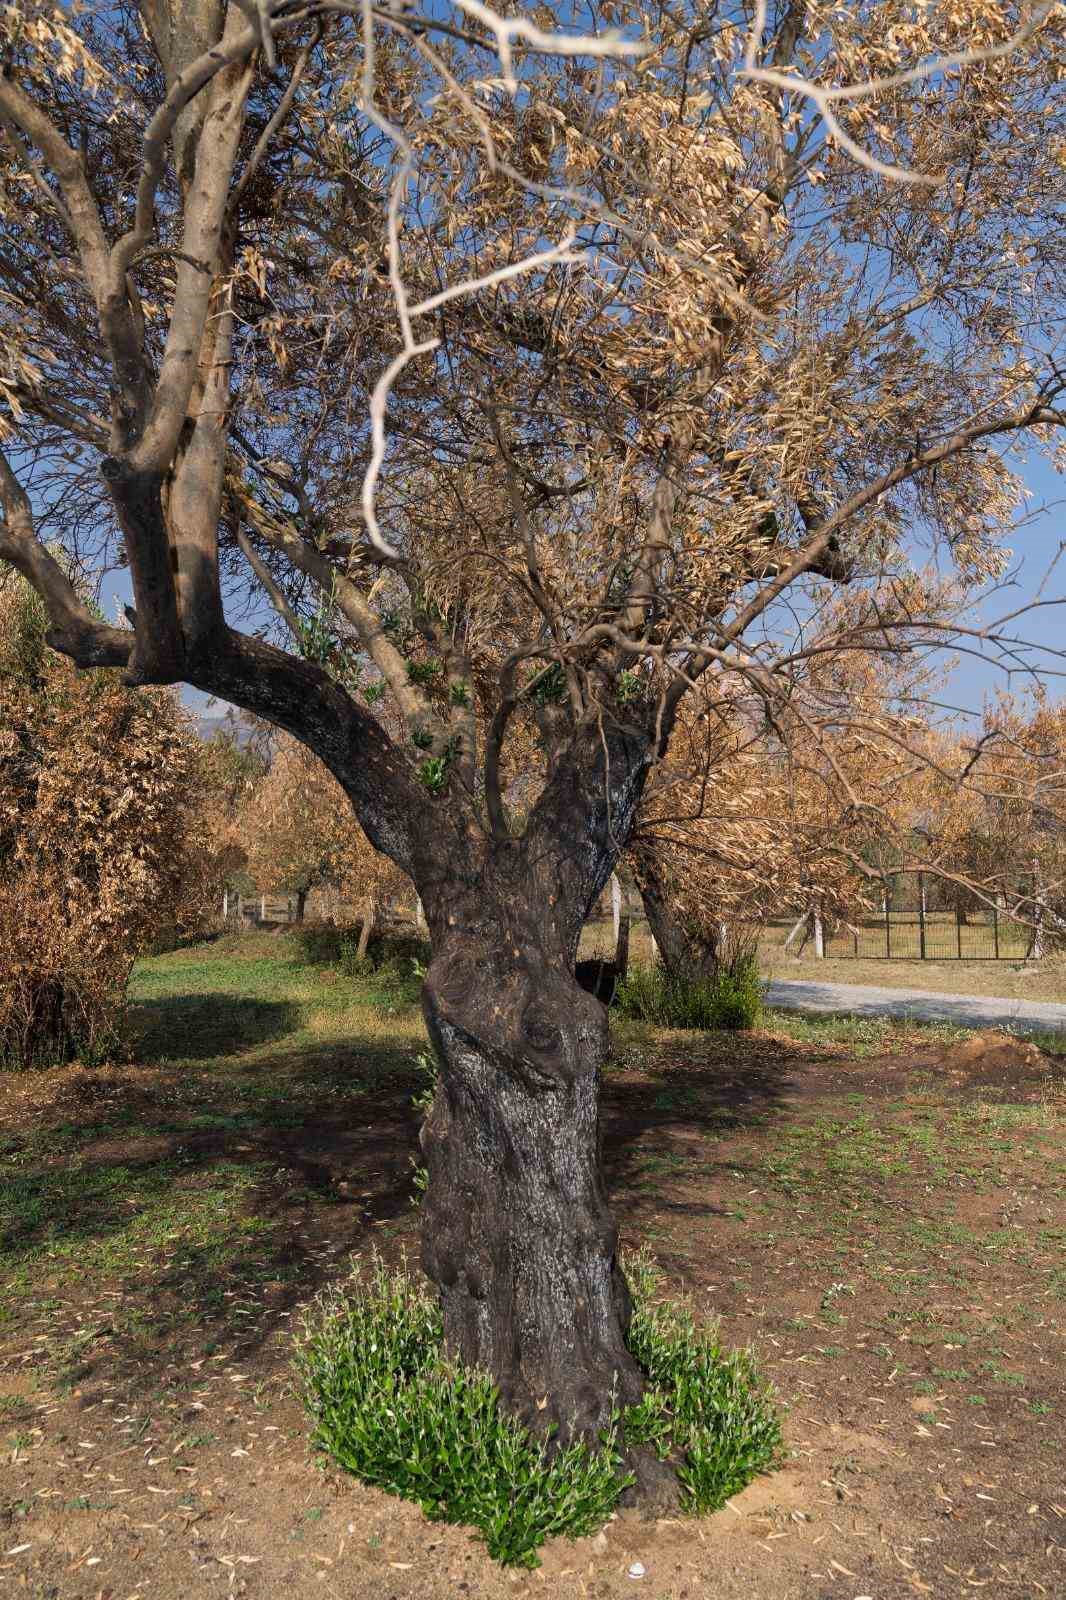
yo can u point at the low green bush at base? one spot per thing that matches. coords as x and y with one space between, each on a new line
731 999
703 1404
392 1410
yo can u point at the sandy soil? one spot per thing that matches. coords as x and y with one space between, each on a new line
151 1452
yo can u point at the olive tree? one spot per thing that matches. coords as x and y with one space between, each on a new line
533 378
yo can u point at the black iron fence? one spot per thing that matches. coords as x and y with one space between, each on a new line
926 918
915 933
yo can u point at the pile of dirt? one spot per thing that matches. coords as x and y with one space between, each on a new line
995 1057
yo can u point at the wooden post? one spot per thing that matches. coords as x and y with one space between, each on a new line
616 906
225 904
995 926
420 915
1036 947
819 935
958 932
367 929
888 926
921 916
262 908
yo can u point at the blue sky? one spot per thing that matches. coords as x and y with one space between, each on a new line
1036 545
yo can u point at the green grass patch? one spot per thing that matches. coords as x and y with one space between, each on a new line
102 1218
1052 1041
729 1001
864 1036
390 1408
256 1003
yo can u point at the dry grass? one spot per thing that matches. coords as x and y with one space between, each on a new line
1016 980
1010 979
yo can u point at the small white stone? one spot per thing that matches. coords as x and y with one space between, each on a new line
637 1570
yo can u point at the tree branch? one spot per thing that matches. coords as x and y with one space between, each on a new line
414 707
83 216
816 548
74 630
263 573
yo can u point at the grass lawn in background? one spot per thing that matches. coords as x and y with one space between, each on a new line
878 1209
1013 980
1016 980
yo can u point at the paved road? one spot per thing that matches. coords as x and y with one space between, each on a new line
967 1010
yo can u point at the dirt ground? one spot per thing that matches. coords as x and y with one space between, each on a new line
886 1232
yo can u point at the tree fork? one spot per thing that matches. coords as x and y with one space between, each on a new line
158 654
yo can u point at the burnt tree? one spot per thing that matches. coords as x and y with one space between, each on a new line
282 336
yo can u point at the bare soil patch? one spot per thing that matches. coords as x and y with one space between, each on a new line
887 1232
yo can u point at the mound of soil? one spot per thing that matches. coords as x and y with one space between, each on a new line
994 1057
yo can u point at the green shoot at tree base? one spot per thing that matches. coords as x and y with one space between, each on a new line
392 1409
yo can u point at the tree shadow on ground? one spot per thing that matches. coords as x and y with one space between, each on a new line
203 1225
195 1027
694 1089
182 1225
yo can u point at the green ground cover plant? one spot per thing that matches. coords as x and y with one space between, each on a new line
389 1407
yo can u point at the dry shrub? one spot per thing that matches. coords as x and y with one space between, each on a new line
94 802
58 999
299 833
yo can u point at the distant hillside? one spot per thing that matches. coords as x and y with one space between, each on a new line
232 726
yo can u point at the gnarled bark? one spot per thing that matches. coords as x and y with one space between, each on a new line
517 1234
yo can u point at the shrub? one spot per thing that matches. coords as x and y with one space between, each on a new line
737 983
730 998
390 1408
679 1000
94 796
320 942
394 958
60 996
395 961
668 1000
703 1405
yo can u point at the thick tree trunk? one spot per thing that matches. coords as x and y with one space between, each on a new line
517 1234
686 947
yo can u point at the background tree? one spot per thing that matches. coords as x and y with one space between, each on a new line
222 774
94 802
299 834
1000 839
533 380
753 816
